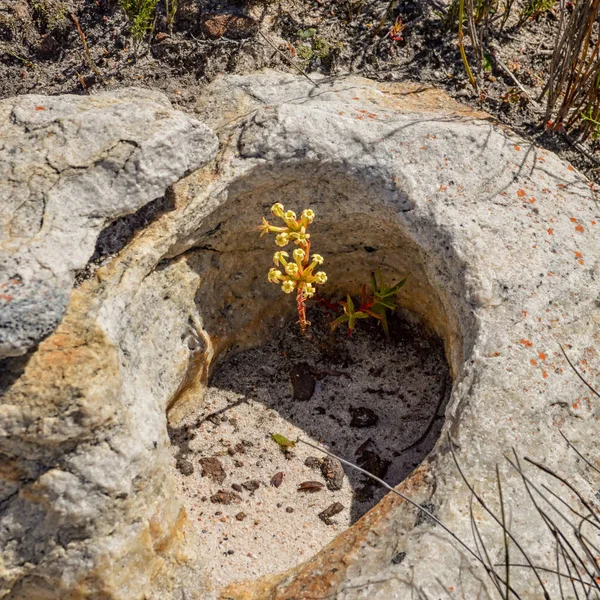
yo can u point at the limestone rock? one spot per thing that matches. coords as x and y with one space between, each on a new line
69 166
499 240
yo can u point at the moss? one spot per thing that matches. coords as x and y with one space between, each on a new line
140 14
50 15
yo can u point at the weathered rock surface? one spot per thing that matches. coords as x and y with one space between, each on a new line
69 166
500 242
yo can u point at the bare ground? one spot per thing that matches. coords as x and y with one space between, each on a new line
42 51
372 400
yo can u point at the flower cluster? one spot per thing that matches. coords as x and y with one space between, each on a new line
296 274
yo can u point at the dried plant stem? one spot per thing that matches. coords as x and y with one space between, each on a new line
461 44
286 58
86 48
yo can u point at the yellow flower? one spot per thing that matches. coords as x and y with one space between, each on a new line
288 286
282 239
277 209
318 259
320 277
308 215
290 215
298 255
301 237
309 290
292 269
275 275
279 258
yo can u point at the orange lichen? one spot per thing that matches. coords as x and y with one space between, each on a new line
579 228
542 356
521 193
526 343
550 231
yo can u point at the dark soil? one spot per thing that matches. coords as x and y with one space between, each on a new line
41 51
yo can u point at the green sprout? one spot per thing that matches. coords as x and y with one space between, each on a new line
374 305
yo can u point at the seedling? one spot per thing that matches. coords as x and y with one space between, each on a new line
375 306
298 274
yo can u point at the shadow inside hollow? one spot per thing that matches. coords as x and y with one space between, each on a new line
377 403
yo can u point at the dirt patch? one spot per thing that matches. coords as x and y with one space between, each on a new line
41 51
372 399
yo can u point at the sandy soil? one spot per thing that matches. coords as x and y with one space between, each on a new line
404 382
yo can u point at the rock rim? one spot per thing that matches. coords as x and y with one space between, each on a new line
500 241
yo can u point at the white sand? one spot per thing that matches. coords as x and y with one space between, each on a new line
252 393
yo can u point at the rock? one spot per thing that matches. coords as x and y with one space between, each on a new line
445 195
224 497
333 472
312 462
237 487
303 381
185 467
213 469
363 417
373 463
251 485
240 516
232 26
331 511
71 165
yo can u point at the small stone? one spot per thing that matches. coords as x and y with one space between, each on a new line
185 467
237 487
238 463
223 497
240 448
313 462
373 463
289 509
333 472
236 27
231 451
303 381
399 558
214 419
240 516
213 469
229 551
330 511
363 417
224 419
251 485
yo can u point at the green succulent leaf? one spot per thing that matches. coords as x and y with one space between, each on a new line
282 441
